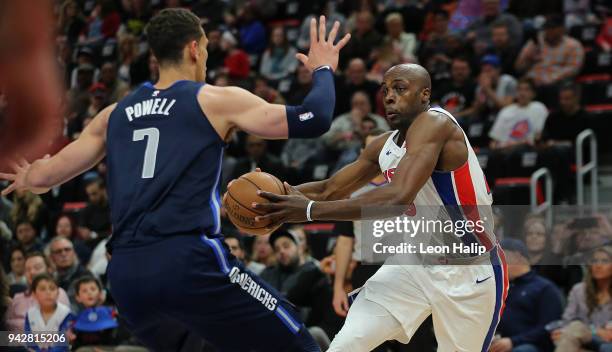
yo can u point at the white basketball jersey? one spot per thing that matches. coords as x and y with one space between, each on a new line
463 191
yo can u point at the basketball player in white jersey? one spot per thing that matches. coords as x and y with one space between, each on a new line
429 163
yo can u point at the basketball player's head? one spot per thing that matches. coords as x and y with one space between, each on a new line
406 92
177 40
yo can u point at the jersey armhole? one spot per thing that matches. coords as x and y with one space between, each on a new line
205 117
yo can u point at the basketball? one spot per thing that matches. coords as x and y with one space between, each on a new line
242 193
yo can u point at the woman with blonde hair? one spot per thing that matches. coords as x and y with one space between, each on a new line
29 207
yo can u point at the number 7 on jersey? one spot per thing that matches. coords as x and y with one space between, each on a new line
148 168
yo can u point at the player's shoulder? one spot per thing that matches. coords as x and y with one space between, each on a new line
433 121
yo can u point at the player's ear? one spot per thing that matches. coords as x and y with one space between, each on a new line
193 49
425 95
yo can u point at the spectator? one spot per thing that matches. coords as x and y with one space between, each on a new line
543 261
479 31
70 22
95 218
404 43
343 132
300 86
5 300
278 61
27 237
532 302
29 207
301 282
363 39
236 246
116 88
49 315
262 251
565 123
457 94
303 42
66 227
263 90
35 264
495 90
257 157
79 95
6 207
355 80
503 47
98 99
17 274
128 54
252 31
589 308
519 123
66 263
433 53
216 54
99 333
550 58
237 62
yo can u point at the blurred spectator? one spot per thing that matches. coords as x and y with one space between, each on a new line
344 131
66 227
103 23
589 308
262 251
5 300
17 274
503 47
457 94
128 53
99 259
363 39
95 221
521 122
433 51
355 80
403 43
263 90
70 22
135 16
252 31
236 247
495 90
116 88
541 257
568 120
413 14
98 99
303 42
216 54
29 207
66 264
6 207
301 282
99 333
278 61
550 58
79 95
27 237
35 264
479 32
257 157
532 302
300 86
49 315
211 12
237 64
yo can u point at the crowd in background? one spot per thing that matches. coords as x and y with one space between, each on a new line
521 78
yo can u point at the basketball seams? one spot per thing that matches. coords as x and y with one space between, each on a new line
242 205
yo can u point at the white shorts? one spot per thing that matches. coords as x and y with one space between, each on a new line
465 301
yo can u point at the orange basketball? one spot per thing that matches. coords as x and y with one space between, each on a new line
242 193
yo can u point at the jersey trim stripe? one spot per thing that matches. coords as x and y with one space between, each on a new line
215 200
501 291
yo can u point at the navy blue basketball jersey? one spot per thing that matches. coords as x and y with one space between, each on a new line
164 166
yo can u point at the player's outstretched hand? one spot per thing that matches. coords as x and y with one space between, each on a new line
282 208
323 51
18 177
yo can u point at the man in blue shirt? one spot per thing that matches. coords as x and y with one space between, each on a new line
532 302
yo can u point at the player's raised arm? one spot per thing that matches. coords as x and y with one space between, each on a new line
77 157
231 107
425 140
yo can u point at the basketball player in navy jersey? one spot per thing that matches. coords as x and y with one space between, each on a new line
170 272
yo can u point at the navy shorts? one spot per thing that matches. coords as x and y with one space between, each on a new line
183 286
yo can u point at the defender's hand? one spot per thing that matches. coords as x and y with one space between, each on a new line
323 52
282 209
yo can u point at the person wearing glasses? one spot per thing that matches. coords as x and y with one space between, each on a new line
66 263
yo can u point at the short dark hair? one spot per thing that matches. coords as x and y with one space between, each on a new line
84 280
528 81
237 238
573 87
42 277
169 31
38 254
97 181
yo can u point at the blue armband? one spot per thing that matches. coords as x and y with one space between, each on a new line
313 118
